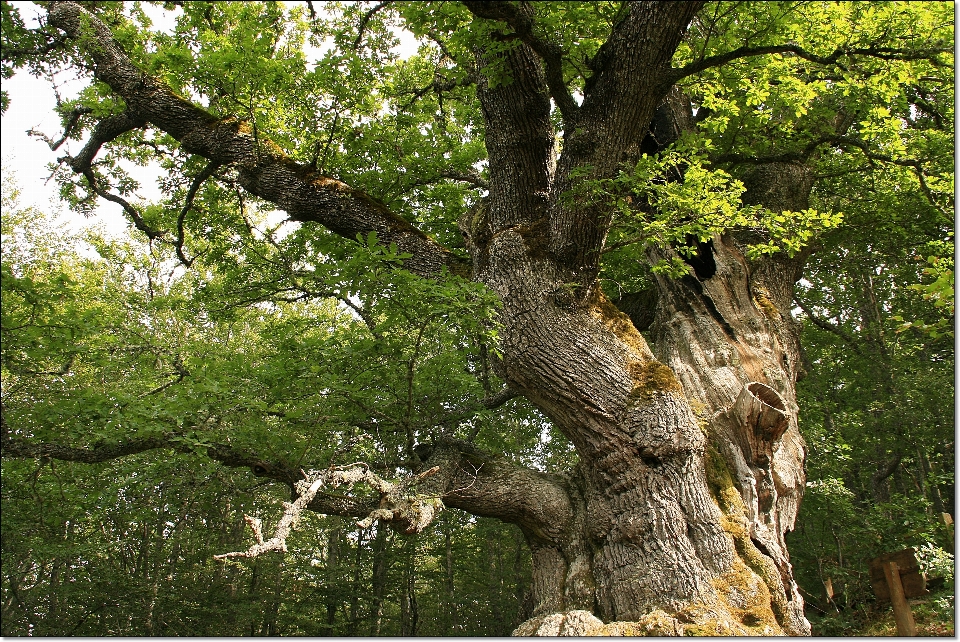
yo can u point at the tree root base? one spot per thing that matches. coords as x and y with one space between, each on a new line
692 621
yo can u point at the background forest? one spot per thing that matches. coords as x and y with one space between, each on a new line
97 330
107 337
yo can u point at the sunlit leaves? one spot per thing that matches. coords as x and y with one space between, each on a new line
655 206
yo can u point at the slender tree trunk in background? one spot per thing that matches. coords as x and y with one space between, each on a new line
12 599
933 491
52 621
333 567
883 415
492 553
272 608
409 614
452 625
521 591
254 590
379 579
356 587
151 605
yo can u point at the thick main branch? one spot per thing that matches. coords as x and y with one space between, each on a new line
456 474
520 18
264 170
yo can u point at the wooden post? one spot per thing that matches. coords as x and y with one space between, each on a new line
901 610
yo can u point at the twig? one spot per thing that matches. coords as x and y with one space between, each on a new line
829 327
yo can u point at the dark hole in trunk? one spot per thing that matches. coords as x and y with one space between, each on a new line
703 263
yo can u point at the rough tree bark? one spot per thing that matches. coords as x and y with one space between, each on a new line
690 463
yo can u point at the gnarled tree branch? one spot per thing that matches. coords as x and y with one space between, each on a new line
455 473
198 181
71 125
263 169
230 456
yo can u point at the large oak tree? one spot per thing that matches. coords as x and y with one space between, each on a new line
643 203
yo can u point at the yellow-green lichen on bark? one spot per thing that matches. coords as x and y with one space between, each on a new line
734 523
720 482
758 563
619 324
748 599
649 375
762 300
652 377
654 624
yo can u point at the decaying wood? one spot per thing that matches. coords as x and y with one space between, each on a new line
901 610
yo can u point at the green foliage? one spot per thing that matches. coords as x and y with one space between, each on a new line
936 562
940 292
653 208
106 340
291 341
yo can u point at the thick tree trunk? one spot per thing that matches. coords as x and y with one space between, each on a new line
645 539
639 537
733 343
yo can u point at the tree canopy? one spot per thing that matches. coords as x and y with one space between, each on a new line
330 291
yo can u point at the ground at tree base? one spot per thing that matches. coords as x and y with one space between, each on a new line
873 621
877 620
692 621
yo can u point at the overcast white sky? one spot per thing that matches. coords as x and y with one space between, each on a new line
31 107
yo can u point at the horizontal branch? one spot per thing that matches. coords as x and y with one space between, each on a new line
488 485
471 177
9 52
884 53
28 449
843 142
456 474
21 448
263 169
225 454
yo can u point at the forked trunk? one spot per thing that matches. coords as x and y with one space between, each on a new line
655 528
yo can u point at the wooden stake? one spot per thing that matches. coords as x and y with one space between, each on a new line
901 610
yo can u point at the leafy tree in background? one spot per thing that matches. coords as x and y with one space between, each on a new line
126 546
476 238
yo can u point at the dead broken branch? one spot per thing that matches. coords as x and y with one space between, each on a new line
407 513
